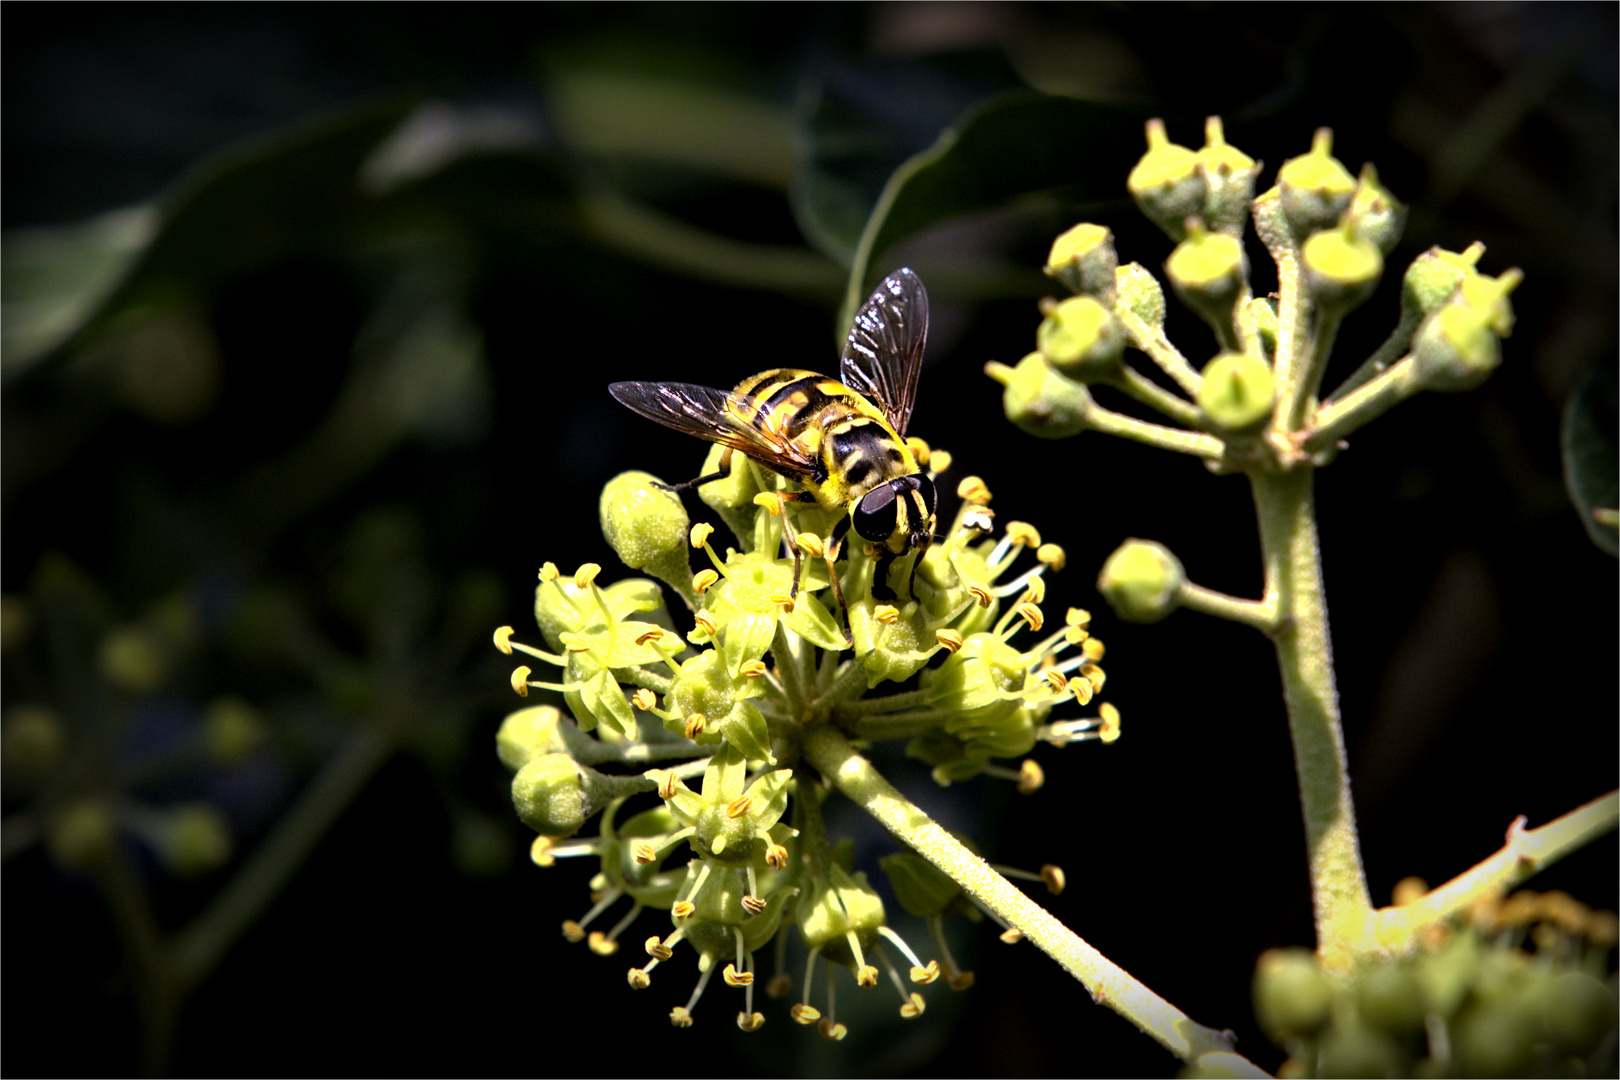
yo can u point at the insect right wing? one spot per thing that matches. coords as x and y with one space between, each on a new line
883 353
715 416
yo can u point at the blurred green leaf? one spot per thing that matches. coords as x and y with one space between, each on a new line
1015 145
1591 457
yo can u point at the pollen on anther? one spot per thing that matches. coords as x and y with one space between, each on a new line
1092 649
645 853
600 944
770 501
549 572
573 931
974 490
1031 777
680 1016
520 680
751 1021
638 979
701 533
951 639
649 636
644 699
805 1014
1054 678
1093 675
914 1007
1035 591
1074 635
1110 722
1082 691
540 851
503 639
783 600
1077 617
811 545
668 784
752 669
980 593
919 450
705 622
657 949
1052 877
866 975
734 977
753 904
1031 615
695 724
939 461
776 856
1023 533
1052 556
586 574
886 613
830 1031
1012 935
739 806
922 976
682 909
703 579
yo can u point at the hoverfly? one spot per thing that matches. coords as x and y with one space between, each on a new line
841 440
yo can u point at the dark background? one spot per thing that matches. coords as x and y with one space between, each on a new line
1473 618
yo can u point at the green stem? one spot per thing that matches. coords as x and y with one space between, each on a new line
891 703
1309 376
1366 403
1526 852
1393 348
1132 382
1150 339
1343 906
1107 983
788 670
902 726
158 990
1260 614
199 948
1195 443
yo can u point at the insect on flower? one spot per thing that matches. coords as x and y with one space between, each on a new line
841 440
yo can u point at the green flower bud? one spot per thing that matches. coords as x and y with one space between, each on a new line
81 835
555 795
1455 349
1575 1011
647 528
1377 215
1139 293
1229 176
1039 400
836 906
32 741
1141 581
1081 339
232 730
1167 183
195 841
1083 259
1237 393
1390 998
1292 997
1315 189
1341 268
1495 1039
1210 274
532 732
1434 276
1352 1050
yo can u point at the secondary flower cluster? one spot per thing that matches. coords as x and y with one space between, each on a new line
681 728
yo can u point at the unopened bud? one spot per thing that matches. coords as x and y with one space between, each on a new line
1041 401
1210 273
1141 581
1229 176
647 527
1082 339
1377 215
1083 259
1434 276
1166 183
1237 393
1341 268
1315 188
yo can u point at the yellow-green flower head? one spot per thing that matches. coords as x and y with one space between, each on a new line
1083 259
555 795
1167 183
1209 272
1315 188
1039 400
732 818
1081 338
707 705
1457 348
646 527
645 880
751 595
1342 267
194 840
1229 176
1142 581
1237 393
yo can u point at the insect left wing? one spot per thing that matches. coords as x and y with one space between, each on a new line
715 416
883 354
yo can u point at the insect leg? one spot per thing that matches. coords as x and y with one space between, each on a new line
719 474
880 577
834 546
792 537
917 552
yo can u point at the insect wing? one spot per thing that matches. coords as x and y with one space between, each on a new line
883 354
715 416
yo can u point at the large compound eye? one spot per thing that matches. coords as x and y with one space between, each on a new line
875 514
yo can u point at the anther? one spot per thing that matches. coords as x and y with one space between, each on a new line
914 1007
886 613
1052 556
520 680
1023 533
919 450
979 519
1012 935
1082 691
1035 591
574 642
503 639
739 806
644 699
752 669
657 949
1031 615
974 490
573 931
549 572
805 1014
776 856
695 724
784 601
960 981
771 501
540 851
753 904
701 533
939 461
830 1031
1092 649
668 784
638 979
734 977
750 1021
780 986
1093 675
644 853
682 909
705 622
1031 777
1077 617
586 574
1054 678
1052 877
600 944
980 593
811 545
1074 635
650 635
925 975
866 975
951 639
680 1016
703 579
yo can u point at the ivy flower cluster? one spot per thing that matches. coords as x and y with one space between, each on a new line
680 729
